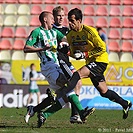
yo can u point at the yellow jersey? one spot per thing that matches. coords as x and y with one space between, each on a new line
88 40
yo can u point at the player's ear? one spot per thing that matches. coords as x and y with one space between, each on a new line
80 20
45 19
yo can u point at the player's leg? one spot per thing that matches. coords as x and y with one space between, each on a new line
68 71
98 81
51 76
60 102
75 118
38 97
71 97
31 110
29 98
113 96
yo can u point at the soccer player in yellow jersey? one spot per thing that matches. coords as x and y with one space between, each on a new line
85 43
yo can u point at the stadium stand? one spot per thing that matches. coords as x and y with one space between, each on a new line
126 57
127 2
11 1
89 2
51 1
62 1
10 21
102 11
114 34
23 9
5 55
102 22
10 9
1 9
7 32
114 57
2 1
36 9
115 16
115 11
75 6
75 2
31 56
24 1
22 21
128 11
114 46
5 44
128 23
89 11
115 23
37 1
102 2
115 2
18 44
126 46
1 21
89 21
49 8
20 32
34 21
127 34
18 55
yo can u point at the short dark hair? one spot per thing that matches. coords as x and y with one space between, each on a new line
77 12
57 9
99 28
31 65
42 15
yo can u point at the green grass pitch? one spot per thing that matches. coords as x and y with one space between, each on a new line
12 121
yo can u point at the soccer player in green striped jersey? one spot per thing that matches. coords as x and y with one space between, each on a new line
43 40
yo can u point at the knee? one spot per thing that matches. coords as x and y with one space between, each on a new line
107 94
79 84
61 80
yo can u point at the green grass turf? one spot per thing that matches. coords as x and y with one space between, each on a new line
12 121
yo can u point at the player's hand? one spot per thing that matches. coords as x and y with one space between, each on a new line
47 47
63 47
53 48
80 55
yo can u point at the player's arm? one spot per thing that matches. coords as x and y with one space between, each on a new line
31 49
99 48
99 45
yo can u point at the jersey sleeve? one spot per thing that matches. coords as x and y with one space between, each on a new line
32 39
99 45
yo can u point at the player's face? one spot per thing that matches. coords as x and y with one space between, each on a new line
73 23
50 21
33 67
59 18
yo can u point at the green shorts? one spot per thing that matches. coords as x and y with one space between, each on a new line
34 91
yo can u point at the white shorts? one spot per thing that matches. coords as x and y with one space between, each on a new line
51 72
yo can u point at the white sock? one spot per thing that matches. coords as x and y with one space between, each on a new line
62 102
70 93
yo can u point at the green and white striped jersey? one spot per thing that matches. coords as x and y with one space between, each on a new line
40 37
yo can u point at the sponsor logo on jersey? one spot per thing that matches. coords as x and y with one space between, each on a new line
78 38
84 37
79 43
